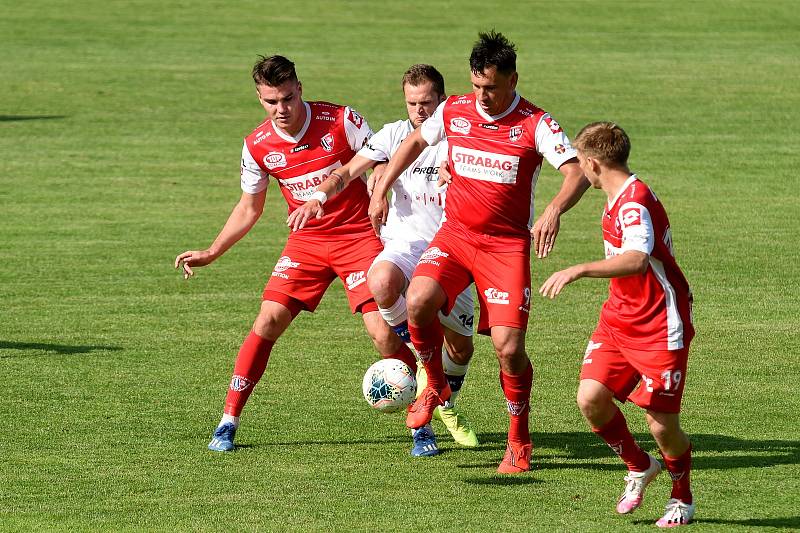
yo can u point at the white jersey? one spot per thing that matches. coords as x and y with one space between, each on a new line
417 204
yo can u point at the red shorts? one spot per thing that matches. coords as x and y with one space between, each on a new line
660 374
308 266
502 279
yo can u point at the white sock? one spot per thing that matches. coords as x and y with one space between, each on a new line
229 419
397 313
453 370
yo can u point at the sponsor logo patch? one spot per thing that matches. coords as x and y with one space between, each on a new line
494 127
303 185
433 253
261 136
355 279
485 166
300 148
327 142
496 296
460 125
275 160
554 126
283 264
514 133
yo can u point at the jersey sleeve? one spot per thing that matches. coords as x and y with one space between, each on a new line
441 152
637 228
379 146
432 129
254 178
552 142
356 129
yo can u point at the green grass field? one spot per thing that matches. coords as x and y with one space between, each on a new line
120 131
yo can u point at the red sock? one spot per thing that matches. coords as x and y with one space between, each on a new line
517 390
250 365
619 438
405 355
679 469
428 341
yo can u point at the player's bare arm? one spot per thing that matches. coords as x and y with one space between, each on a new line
333 185
627 264
375 176
241 220
546 228
409 150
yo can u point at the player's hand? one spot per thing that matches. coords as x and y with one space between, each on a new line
445 178
552 287
545 230
375 177
378 211
298 218
193 258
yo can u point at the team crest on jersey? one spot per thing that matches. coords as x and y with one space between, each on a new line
496 296
554 126
560 149
355 118
327 142
460 125
355 279
275 160
515 133
631 217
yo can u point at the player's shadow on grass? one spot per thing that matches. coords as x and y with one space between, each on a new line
789 522
16 118
712 452
47 347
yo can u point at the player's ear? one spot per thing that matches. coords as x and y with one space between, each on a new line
300 88
513 79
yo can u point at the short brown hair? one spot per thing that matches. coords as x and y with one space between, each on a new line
416 75
273 71
604 141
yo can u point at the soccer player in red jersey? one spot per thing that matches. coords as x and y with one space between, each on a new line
497 142
645 326
299 144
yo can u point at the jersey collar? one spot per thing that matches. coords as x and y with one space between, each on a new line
296 139
622 190
492 118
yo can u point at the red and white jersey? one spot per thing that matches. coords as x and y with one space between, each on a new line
495 162
650 311
415 211
329 138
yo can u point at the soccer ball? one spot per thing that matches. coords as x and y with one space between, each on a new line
389 385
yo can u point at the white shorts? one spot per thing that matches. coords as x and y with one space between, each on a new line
405 256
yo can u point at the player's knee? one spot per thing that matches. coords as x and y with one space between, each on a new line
420 310
270 325
382 288
461 352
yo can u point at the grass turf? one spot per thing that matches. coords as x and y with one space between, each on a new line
121 129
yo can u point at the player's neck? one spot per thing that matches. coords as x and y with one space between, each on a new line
295 128
612 181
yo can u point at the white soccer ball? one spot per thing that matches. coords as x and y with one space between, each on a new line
389 385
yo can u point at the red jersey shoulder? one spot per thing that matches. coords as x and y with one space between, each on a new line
457 100
325 111
640 193
260 134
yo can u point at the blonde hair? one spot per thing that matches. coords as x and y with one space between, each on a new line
604 141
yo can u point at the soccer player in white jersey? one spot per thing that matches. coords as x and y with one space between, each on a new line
415 215
645 326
